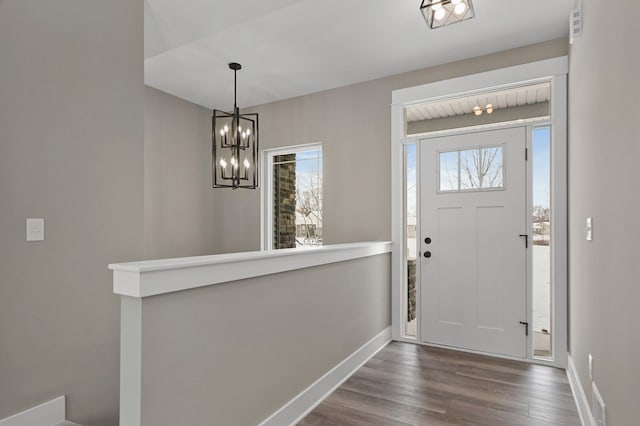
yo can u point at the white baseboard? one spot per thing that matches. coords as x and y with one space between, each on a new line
48 414
293 411
579 396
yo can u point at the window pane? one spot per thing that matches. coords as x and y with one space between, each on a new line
309 155
297 199
284 201
449 171
541 237
514 104
410 240
491 167
309 198
470 169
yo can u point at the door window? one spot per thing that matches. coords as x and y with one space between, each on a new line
474 169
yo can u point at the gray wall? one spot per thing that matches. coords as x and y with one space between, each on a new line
178 198
71 149
604 148
234 353
354 125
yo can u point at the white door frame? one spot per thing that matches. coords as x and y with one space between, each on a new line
552 70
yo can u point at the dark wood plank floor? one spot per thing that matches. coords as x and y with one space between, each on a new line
407 384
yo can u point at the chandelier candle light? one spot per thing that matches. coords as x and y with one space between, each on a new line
438 13
234 137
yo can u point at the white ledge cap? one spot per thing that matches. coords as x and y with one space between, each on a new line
153 277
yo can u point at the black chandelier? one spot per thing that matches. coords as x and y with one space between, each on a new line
235 145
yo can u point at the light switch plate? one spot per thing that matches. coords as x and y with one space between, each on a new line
35 229
575 24
589 229
590 366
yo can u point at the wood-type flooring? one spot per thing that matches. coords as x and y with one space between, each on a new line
406 384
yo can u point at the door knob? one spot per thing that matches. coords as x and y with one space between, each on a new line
427 240
427 254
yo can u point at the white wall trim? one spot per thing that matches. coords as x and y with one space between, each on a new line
584 410
553 70
153 277
47 414
302 404
397 221
481 82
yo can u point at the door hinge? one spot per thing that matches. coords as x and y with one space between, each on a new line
526 239
526 327
526 154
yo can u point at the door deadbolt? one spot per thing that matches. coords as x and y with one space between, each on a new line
427 240
427 254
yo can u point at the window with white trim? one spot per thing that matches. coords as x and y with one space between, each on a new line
292 197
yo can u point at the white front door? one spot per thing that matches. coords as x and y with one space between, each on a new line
473 257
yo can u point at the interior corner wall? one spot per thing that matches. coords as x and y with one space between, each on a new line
604 148
354 125
178 198
71 152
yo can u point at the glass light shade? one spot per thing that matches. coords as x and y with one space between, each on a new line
460 8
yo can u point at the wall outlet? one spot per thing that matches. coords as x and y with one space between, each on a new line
35 229
590 366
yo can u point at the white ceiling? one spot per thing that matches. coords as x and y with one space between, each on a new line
293 47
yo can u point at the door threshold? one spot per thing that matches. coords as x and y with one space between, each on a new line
529 360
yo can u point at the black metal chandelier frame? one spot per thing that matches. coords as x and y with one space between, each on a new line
241 145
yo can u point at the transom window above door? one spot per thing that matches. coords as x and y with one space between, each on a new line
517 104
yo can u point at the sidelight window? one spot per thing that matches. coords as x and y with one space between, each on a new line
541 239
410 222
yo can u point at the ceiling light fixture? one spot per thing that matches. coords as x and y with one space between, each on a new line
438 13
235 136
478 110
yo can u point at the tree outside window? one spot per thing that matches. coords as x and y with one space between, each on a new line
296 200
